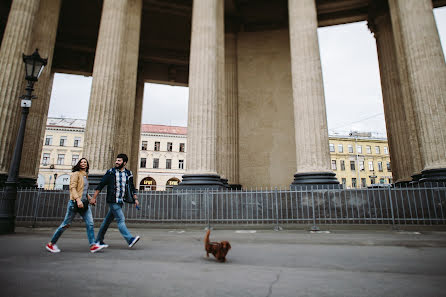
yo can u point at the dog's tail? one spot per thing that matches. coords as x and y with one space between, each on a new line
206 238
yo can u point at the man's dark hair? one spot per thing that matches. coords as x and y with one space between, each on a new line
77 167
123 157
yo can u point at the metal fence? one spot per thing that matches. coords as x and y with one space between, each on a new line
311 206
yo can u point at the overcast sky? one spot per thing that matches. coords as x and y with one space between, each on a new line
351 82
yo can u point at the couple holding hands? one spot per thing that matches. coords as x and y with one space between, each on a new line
120 188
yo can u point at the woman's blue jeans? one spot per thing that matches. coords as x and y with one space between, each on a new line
69 216
115 211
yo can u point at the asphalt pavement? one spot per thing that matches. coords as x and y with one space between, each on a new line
172 262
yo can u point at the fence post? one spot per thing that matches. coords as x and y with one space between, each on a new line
314 227
277 227
391 209
36 207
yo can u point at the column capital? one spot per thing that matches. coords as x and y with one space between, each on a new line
377 10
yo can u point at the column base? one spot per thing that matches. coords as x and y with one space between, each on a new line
434 176
200 182
235 187
3 178
7 208
25 182
94 180
321 180
224 181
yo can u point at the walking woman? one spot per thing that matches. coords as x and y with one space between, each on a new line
78 203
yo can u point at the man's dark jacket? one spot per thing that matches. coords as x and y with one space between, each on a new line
109 180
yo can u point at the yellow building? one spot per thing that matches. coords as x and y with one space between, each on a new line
360 160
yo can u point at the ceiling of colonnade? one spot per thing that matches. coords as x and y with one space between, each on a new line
166 29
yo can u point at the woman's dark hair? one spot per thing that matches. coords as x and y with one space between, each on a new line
77 167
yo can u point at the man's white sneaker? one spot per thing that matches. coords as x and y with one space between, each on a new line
52 248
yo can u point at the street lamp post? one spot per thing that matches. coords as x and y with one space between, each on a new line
34 65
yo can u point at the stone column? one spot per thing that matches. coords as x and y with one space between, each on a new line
203 94
419 51
126 100
232 109
136 130
102 121
16 40
44 38
310 118
401 132
222 104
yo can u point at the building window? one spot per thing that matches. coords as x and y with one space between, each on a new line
350 149
45 159
372 180
331 146
352 165
361 165
168 163
144 146
180 164
390 180
182 147
333 164
156 163
60 159
157 146
63 140
368 149
380 166
143 163
382 180
77 141
363 182
371 166
353 182
49 140
74 159
342 165
388 167
377 149
359 149
169 146
344 181
340 148
386 151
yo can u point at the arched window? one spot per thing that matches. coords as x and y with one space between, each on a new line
62 182
147 184
172 182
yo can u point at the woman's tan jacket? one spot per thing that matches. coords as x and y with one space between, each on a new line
77 184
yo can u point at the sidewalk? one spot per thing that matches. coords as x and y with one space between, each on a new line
171 262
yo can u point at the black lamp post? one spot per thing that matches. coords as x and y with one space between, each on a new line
34 65
55 177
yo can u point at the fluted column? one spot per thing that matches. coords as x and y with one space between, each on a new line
136 130
231 93
419 51
222 103
105 90
44 38
310 118
126 100
203 94
16 40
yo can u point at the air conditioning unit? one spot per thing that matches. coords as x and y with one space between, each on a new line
52 166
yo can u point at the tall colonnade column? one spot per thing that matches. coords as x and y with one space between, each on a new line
231 93
203 95
102 122
137 121
310 118
44 38
401 132
126 101
419 52
16 41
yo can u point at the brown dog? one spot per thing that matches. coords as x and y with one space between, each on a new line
218 249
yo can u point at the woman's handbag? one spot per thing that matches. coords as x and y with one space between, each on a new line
85 202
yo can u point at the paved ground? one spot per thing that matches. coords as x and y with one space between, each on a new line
266 263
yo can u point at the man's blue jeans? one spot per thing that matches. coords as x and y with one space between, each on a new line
69 216
115 211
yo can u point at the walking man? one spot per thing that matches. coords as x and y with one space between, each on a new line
119 182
